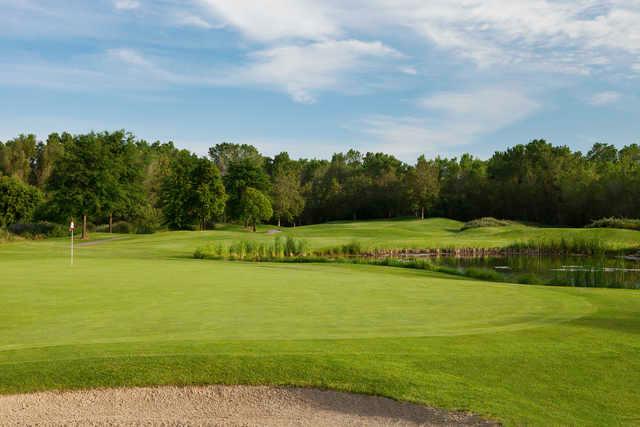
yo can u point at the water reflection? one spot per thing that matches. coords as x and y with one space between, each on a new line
585 271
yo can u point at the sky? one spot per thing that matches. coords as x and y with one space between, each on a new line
314 77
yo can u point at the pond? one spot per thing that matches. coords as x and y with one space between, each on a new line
583 271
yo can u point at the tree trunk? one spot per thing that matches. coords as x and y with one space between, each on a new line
85 234
422 214
110 223
254 226
278 220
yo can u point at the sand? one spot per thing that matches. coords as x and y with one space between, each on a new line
220 406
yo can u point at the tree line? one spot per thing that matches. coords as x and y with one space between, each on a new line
114 176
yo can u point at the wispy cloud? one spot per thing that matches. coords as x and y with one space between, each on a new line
605 98
304 70
190 20
273 20
126 4
451 119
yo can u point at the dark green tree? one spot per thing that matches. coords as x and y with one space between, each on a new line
240 176
18 201
191 192
423 185
256 207
288 202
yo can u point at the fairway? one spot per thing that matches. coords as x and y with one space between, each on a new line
139 311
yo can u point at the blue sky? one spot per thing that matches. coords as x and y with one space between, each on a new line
313 77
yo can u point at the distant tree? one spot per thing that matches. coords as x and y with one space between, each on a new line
16 157
423 185
176 191
209 193
18 201
288 202
256 207
97 174
225 154
45 157
241 175
82 180
191 192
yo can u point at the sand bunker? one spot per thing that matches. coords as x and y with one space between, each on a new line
220 405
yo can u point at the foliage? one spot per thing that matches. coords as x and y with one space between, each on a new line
624 223
256 207
240 176
226 154
119 227
148 220
95 175
191 192
18 201
250 250
38 230
288 202
484 222
113 174
564 246
423 185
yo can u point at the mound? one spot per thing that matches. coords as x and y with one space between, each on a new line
219 405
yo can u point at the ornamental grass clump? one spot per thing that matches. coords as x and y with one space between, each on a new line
251 250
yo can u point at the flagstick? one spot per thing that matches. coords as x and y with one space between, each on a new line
71 246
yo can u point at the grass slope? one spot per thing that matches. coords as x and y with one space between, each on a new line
139 311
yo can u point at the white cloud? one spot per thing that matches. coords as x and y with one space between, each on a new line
191 20
452 119
559 36
605 98
303 70
408 70
276 19
129 56
126 4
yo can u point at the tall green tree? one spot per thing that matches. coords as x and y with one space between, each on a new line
191 192
226 153
82 180
423 185
256 207
209 193
17 156
241 175
288 202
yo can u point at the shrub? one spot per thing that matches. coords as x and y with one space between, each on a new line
625 223
123 227
38 230
148 220
18 201
485 222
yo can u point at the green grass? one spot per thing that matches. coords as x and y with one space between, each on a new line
435 233
141 311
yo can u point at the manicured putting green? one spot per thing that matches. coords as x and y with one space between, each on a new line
140 300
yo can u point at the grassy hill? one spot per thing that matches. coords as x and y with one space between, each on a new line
140 311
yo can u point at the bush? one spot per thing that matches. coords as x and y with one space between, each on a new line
485 222
123 227
148 220
38 230
625 223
